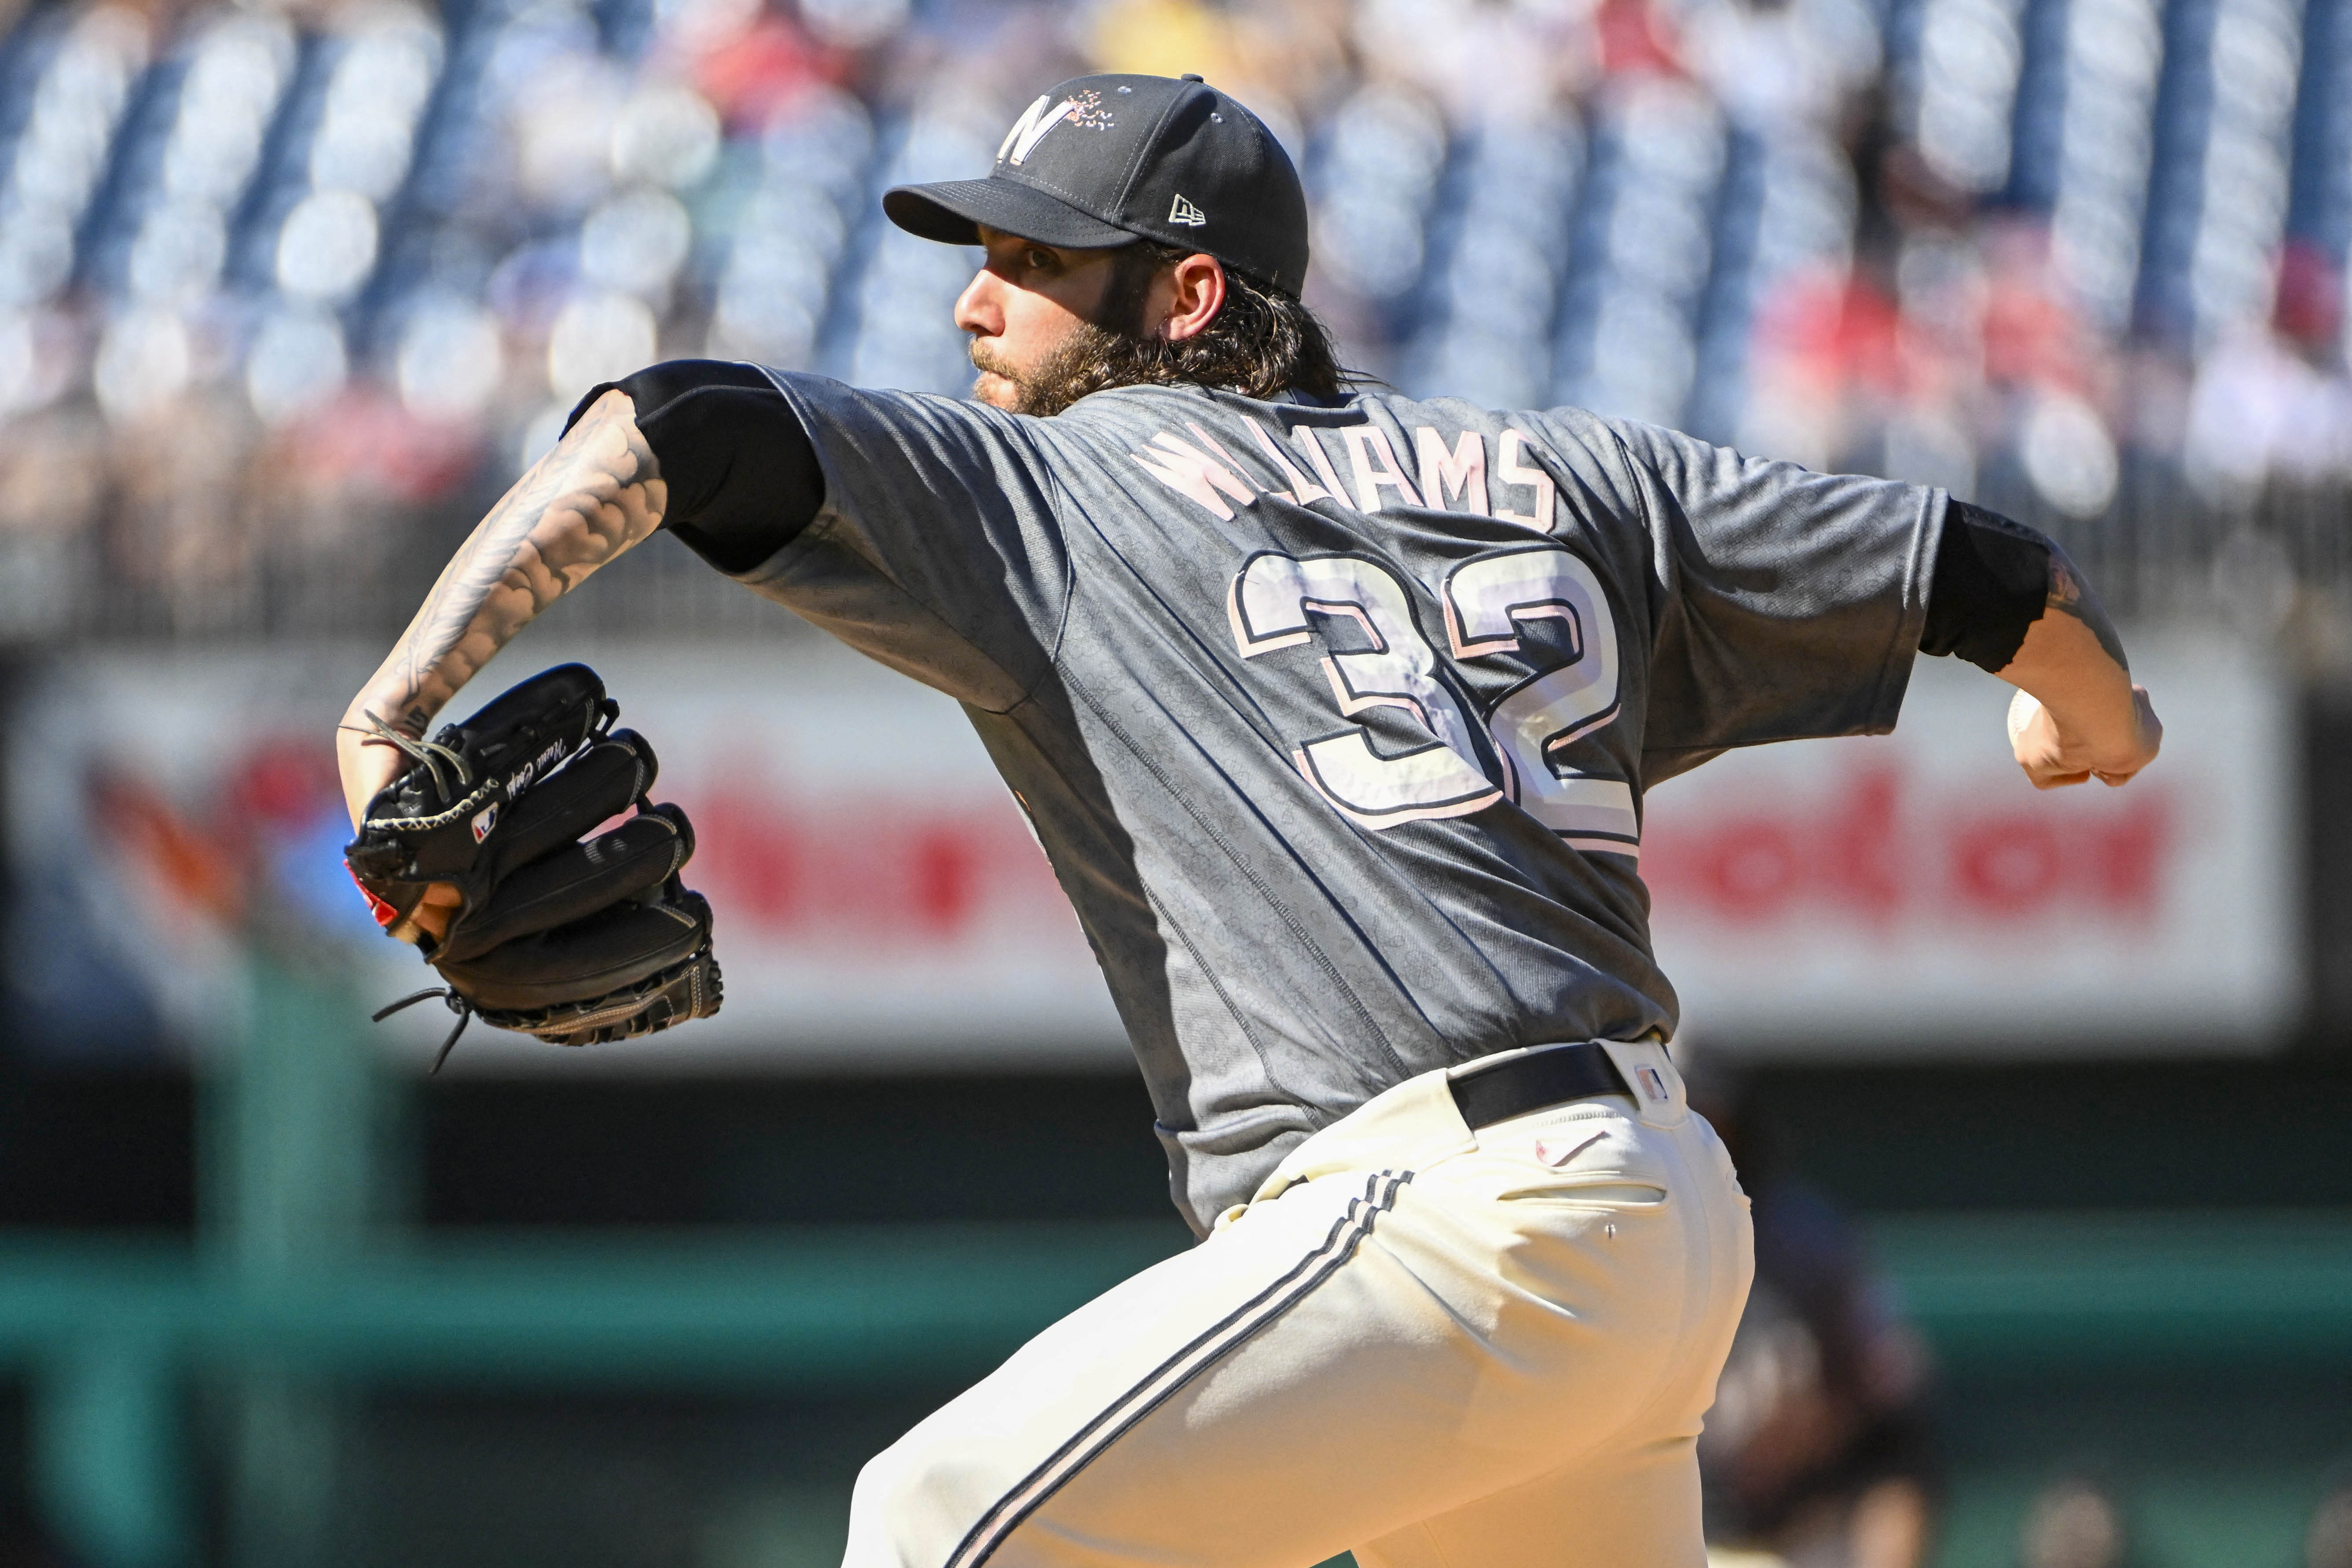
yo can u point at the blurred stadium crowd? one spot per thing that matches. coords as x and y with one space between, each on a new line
286 291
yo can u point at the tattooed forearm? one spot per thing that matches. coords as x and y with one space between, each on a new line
597 494
2071 595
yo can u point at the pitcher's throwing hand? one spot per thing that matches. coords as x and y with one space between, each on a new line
2051 757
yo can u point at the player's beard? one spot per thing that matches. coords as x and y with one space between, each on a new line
1098 354
1091 358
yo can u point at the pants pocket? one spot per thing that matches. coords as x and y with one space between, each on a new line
1606 1194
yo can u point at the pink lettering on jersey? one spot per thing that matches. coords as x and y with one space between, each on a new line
1305 438
1461 473
1211 443
1376 466
1513 473
1302 490
1188 470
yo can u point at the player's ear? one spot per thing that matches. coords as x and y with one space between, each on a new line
1198 294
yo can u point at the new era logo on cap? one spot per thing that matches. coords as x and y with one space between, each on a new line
1103 161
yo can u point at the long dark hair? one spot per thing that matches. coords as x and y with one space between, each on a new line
1261 344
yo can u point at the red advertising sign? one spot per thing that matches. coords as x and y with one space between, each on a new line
879 898
1884 894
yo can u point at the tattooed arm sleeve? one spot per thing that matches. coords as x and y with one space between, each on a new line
597 494
1993 579
2070 594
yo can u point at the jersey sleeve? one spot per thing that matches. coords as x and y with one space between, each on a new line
937 549
1787 604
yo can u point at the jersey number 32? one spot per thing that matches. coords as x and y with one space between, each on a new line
1488 599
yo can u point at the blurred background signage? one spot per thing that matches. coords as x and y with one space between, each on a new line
879 897
1858 896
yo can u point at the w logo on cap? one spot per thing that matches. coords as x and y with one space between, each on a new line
1030 128
1185 213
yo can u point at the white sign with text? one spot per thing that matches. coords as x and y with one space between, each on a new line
879 900
1839 898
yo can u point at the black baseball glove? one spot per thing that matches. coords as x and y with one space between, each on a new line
577 943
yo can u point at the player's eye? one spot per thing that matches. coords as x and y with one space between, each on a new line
1037 260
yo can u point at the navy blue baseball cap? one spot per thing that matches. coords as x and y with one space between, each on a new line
1104 161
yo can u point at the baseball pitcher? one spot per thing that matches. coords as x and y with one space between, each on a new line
1335 712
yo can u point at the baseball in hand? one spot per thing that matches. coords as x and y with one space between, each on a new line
2022 710
2053 760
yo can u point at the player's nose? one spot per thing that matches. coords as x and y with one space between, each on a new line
980 308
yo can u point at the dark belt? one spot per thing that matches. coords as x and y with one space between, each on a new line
1546 1076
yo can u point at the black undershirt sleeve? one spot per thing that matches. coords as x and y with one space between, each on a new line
1992 582
743 478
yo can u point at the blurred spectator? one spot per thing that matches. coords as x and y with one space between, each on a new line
2073 1523
234 241
183 533
52 485
1783 64
2327 1543
2272 404
1820 1452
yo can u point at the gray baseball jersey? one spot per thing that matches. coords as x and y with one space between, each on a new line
1335 721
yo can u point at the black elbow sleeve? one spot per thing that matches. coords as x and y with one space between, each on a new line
1991 583
743 477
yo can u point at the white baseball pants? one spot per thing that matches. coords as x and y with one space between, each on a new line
1436 1347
